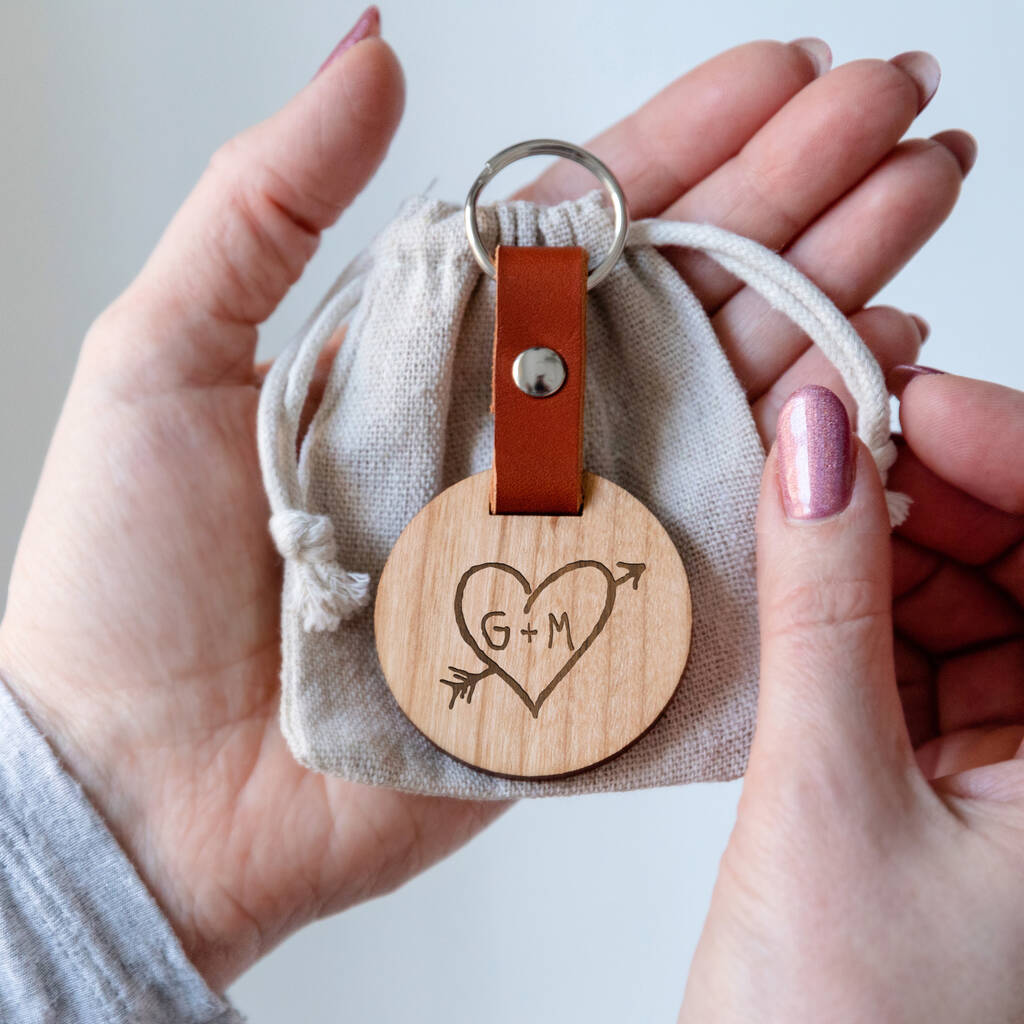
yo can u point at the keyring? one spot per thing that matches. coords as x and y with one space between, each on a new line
550 147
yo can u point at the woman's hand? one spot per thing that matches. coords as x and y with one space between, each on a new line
141 630
862 882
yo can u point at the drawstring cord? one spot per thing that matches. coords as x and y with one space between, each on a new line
328 593
784 288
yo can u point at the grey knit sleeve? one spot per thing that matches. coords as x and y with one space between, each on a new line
81 938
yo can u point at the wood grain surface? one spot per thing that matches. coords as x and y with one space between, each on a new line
533 646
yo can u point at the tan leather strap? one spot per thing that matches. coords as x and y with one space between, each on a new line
538 442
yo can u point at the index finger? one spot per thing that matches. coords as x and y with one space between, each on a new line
968 432
699 121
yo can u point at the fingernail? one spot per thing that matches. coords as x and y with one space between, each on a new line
962 145
900 376
367 25
924 69
818 50
923 327
814 453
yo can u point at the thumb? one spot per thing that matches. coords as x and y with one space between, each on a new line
828 702
246 232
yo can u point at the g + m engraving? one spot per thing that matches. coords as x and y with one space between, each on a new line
556 629
555 625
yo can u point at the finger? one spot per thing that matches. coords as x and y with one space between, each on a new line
949 521
916 682
253 221
950 759
911 566
816 148
1008 573
850 253
889 333
828 684
690 127
968 432
983 687
956 608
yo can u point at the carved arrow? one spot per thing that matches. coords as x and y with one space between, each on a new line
634 570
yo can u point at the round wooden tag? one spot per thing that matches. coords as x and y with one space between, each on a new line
533 646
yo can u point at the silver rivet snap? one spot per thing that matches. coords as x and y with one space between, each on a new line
538 372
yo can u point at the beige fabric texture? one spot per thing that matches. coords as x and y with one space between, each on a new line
406 414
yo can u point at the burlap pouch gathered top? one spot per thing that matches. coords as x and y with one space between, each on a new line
406 414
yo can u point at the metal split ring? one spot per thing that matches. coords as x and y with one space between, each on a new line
550 147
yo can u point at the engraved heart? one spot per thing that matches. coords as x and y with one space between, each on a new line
532 637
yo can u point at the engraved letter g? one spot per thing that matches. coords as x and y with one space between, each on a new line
497 630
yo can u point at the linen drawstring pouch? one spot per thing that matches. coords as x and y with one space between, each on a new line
405 414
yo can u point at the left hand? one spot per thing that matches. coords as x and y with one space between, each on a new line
142 626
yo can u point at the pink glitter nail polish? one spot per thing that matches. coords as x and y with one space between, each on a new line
814 454
900 376
368 24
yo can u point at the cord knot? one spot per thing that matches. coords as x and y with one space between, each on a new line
303 536
324 592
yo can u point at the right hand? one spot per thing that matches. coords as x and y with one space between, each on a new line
865 880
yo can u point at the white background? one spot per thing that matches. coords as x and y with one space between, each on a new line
570 910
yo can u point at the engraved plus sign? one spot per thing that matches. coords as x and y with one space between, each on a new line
529 633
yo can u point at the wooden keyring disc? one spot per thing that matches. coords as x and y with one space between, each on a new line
533 646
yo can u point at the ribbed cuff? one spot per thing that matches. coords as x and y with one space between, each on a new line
81 938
